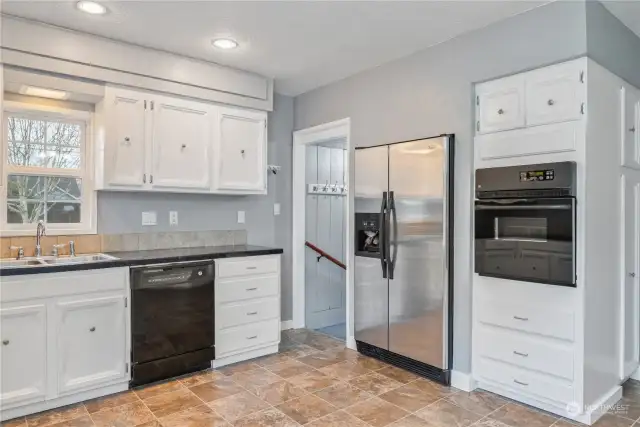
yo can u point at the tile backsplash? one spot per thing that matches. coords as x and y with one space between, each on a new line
92 243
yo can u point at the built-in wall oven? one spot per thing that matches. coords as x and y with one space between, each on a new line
525 223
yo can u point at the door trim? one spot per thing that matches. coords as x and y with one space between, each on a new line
301 138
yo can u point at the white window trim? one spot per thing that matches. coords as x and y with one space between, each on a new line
89 199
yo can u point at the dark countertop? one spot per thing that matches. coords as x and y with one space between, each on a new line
157 256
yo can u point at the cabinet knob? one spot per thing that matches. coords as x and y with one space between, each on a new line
551 102
92 329
632 274
184 146
5 342
501 111
242 152
127 139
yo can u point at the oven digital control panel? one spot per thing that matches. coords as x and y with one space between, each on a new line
537 175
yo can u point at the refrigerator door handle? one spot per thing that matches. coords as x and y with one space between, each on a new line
383 235
394 215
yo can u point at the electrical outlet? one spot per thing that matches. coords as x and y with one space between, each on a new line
241 217
276 208
149 218
173 217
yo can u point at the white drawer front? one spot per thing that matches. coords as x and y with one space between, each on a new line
246 337
537 320
229 290
235 267
230 315
525 351
523 381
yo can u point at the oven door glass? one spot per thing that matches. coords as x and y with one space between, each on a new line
526 239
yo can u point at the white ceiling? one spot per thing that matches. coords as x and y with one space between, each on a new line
301 44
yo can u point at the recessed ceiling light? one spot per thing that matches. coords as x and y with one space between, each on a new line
224 43
91 7
42 92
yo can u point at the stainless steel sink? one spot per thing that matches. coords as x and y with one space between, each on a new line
24 262
79 259
43 261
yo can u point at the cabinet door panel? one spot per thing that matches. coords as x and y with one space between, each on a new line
125 144
500 105
631 127
181 144
92 338
554 94
242 164
631 275
23 354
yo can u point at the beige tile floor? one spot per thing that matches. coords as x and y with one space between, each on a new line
313 381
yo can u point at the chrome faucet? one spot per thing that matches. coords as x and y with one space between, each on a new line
40 231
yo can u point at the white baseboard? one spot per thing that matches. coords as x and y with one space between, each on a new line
7 414
462 381
593 412
636 375
351 343
241 357
286 325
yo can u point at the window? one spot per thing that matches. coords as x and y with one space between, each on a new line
46 172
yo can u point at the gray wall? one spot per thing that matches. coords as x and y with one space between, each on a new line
120 212
431 92
612 44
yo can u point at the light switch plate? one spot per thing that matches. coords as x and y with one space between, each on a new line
149 218
173 217
240 217
276 208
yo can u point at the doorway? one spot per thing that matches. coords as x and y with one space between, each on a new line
322 277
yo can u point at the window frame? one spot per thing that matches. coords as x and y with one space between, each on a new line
88 200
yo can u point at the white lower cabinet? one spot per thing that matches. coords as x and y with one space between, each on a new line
247 308
23 353
65 338
91 349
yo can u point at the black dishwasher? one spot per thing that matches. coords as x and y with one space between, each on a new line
172 320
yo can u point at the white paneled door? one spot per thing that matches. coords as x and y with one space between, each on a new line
325 282
91 342
631 272
23 354
125 149
182 133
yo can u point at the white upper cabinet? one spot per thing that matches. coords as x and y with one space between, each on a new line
500 105
23 354
124 138
182 134
630 126
241 151
555 94
551 94
159 143
91 348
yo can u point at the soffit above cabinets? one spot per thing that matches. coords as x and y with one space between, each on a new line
301 44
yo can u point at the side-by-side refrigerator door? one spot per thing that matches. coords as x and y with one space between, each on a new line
371 285
418 285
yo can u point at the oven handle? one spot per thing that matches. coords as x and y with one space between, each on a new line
520 207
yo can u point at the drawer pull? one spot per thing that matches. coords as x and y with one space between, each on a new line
501 111
522 319
252 289
517 353
521 383
550 102
253 313
5 342
252 268
252 338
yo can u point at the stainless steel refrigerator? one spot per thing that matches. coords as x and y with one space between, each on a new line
404 254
